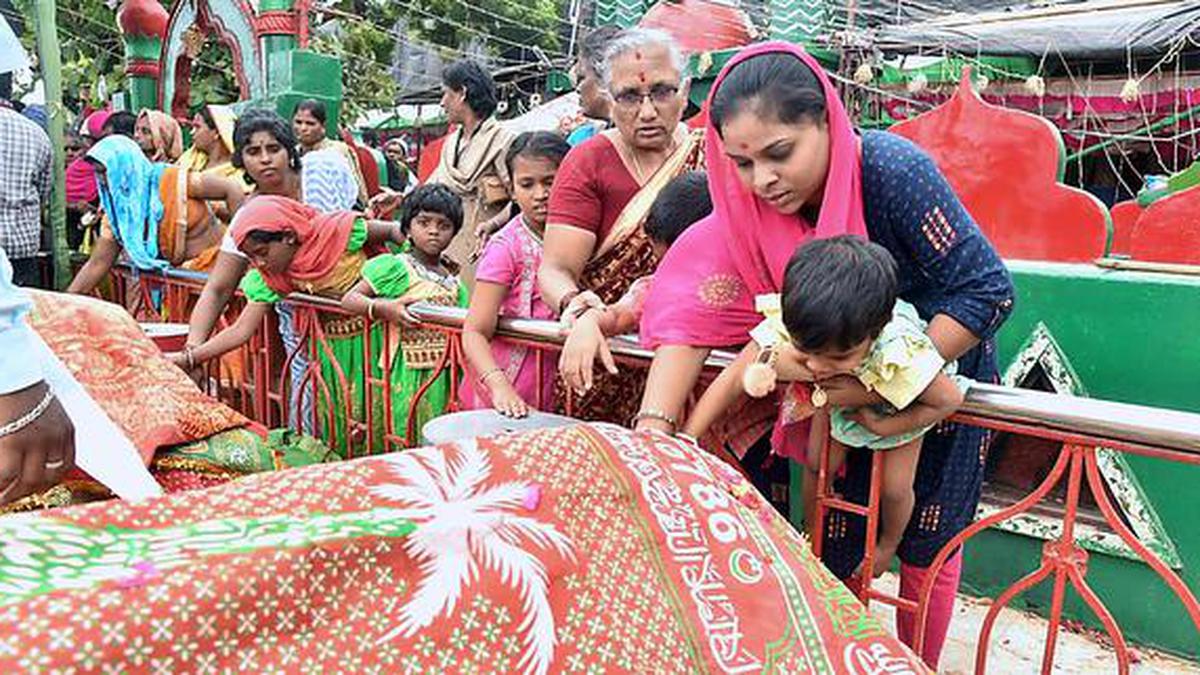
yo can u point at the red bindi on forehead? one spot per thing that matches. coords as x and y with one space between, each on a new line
642 76
744 146
637 55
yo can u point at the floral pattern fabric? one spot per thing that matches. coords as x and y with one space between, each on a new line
151 400
587 548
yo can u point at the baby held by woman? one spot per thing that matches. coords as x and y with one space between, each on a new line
839 315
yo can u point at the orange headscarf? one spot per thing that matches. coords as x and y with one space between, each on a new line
166 135
323 236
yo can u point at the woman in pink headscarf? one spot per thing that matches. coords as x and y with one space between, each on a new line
81 191
785 166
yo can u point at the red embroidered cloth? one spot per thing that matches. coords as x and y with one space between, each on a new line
151 400
583 548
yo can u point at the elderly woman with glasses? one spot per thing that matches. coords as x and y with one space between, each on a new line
594 243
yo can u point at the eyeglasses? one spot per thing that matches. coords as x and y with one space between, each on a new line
660 95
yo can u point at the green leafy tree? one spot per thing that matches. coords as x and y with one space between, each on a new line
213 79
91 47
365 35
365 50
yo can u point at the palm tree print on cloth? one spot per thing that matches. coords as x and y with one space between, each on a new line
580 549
466 527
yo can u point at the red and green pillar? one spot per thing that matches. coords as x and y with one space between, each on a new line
278 25
143 24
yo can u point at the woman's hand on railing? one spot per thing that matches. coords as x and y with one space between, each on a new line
585 341
578 306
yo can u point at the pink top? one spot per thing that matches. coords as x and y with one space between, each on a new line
591 188
704 289
511 259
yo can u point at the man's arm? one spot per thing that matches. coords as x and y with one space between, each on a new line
40 448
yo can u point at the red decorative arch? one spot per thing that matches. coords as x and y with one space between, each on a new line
1006 165
1124 216
212 25
1168 231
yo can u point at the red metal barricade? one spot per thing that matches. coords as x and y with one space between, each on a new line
262 393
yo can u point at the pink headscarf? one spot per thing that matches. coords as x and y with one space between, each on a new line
94 124
703 292
80 175
81 181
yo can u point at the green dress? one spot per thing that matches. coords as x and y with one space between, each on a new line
340 355
414 353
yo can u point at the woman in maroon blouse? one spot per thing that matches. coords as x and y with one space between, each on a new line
594 244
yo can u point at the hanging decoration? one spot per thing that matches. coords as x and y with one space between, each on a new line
1130 91
193 41
864 74
918 83
1034 84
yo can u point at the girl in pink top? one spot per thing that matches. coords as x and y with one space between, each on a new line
501 374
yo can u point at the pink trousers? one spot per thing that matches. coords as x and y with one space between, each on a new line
941 606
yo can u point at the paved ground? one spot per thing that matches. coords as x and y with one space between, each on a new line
1017 639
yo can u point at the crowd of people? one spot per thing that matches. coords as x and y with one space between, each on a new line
859 293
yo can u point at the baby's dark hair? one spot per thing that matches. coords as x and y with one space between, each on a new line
536 144
838 292
682 203
432 198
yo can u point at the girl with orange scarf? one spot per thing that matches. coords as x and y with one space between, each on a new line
294 249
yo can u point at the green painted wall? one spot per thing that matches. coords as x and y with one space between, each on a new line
299 74
1132 337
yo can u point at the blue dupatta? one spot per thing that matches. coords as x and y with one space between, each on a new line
130 197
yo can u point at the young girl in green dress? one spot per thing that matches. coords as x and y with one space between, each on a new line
295 249
430 216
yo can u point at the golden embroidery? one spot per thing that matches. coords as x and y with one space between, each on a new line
720 290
